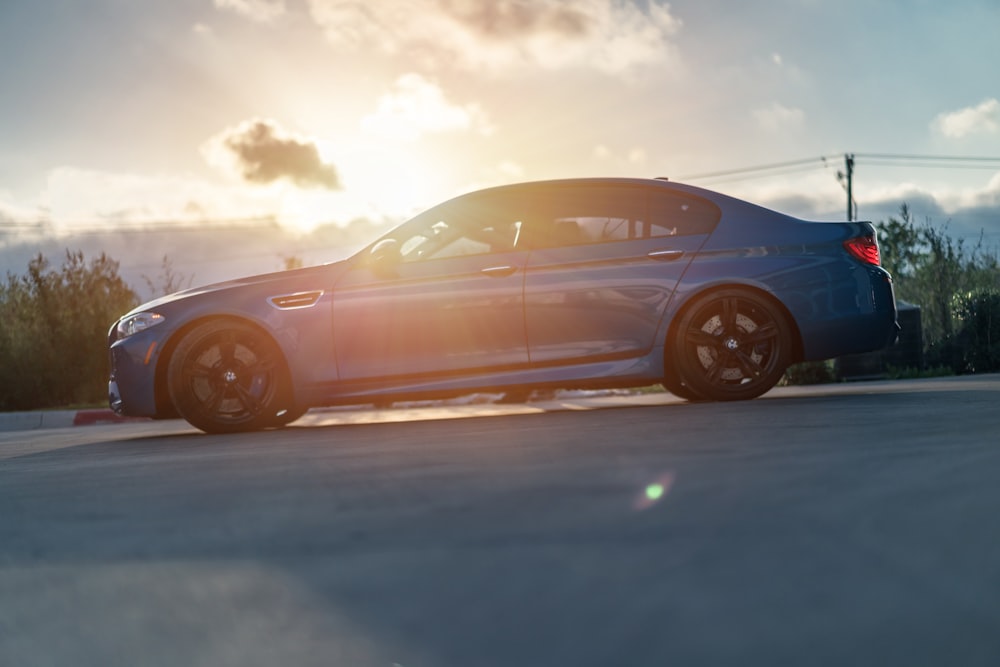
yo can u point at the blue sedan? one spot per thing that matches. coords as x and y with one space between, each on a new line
586 283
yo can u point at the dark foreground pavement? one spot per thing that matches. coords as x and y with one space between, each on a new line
846 525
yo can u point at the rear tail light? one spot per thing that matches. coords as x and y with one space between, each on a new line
864 248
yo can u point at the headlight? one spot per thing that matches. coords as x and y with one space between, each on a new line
133 324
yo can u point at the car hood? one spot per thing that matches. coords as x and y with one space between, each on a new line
312 277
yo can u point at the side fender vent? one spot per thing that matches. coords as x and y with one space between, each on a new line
295 301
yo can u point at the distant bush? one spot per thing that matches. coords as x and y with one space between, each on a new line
809 372
910 373
929 268
53 338
977 338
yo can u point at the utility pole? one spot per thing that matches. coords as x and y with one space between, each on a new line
849 166
846 179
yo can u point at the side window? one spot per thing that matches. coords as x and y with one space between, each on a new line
676 213
469 226
584 215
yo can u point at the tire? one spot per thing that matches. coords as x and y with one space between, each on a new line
732 345
286 416
228 377
515 396
672 382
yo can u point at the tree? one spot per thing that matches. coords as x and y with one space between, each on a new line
899 241
290 262
53 343
168 281
930 268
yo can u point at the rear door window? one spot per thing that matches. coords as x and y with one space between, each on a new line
681 214
581 215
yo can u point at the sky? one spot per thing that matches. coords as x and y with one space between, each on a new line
311 117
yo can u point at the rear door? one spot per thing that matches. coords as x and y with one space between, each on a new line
605 262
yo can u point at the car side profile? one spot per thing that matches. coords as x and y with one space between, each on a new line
580 283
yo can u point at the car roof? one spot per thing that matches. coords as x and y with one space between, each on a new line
731 206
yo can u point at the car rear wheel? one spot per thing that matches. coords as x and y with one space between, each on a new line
226 377
732 345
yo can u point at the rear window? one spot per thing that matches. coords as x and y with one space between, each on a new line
604 214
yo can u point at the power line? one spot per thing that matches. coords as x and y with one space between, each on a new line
937 158
846 177
932 165
824 161
112 227
759 168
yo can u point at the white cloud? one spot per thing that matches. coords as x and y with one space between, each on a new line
416 106
779 118
510 169
633 156
817 195
77 199
608 35
13 215
88 198
261 11
983 118
637 156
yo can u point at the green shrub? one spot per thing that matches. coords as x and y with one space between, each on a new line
53 341
977 322
809 372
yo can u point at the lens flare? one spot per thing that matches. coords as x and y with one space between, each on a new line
654 492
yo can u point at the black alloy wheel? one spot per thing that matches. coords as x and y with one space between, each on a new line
227 377
732 344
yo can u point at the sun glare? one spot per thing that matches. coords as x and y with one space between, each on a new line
377 186
305 210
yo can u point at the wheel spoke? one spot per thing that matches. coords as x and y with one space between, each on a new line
246 399
261 365
762 333
729 309
701 338
720 365
214 402
197 371
227 349
748 366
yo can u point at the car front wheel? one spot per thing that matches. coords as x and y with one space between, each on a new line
227 377
673 383
731 345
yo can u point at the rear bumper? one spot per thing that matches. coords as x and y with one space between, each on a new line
871 325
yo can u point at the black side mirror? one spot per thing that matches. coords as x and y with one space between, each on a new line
384 256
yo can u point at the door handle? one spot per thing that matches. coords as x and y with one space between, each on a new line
499 271
665 255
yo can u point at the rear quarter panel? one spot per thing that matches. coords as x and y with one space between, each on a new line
838 305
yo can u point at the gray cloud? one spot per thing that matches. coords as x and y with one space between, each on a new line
203 255
608 35
262 152
971 221
515 18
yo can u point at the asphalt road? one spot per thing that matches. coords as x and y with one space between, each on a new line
844 525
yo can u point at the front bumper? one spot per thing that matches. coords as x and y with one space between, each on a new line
132 384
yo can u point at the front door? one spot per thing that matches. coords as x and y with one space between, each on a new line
450 299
